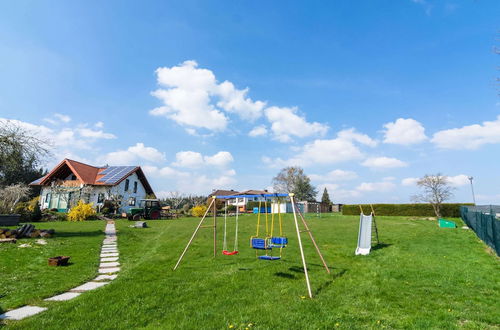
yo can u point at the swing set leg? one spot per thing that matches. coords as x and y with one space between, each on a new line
194 235
304 264
314 241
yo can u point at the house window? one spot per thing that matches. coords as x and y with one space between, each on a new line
135 187
127 182
131 201
73 177
100 198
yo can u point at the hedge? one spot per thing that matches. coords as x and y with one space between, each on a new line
418 210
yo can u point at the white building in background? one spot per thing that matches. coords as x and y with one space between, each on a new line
71 181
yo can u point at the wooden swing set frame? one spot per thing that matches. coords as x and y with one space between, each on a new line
296 211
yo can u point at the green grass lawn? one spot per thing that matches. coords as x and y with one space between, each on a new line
421 277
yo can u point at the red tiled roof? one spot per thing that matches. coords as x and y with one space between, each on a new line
88 174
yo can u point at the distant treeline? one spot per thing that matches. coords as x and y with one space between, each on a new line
417 210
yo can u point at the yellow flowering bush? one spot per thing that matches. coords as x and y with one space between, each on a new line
198 211
81 212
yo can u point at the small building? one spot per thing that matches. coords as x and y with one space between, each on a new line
71 181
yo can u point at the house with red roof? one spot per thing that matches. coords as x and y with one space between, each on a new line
71 181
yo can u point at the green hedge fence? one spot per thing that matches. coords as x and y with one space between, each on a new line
417 210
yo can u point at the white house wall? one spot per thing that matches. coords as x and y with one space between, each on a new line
107 191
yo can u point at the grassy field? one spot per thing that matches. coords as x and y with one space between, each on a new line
420 277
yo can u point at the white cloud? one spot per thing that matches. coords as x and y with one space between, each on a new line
458 180
286 123
64 137
337 193
99 134
221 159
469 137
235 100
383 162
335 175
63 118
404 132
189 159
383 186
351 135
409 181
133 154
192 97
323 151
258 131
165 172
51 121
192 159
99 124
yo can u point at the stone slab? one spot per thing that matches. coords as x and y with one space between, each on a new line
109 264
109 245
109 251
109 259
64 296
109 254
109 270
22 312
105 277
89 286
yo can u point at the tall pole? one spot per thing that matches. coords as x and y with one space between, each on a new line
472 188
215 226
300 246
194 234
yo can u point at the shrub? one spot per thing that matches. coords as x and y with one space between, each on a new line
199 210
82 211
36 215
22 208
417 210
231 208
49 216
185 209
252 204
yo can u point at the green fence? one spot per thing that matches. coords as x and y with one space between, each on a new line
416 210
484 221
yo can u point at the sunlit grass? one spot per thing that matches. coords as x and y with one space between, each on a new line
421 276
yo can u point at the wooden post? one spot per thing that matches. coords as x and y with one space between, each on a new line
215 226
194 234
304 264
314 241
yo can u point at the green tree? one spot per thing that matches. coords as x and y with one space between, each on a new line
292 179
325 199
21 155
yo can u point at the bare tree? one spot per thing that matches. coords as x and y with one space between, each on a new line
292 179
175 199
435 190
22 153
11 195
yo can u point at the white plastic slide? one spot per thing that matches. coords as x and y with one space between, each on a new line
365 234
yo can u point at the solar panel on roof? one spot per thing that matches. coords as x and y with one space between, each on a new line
113 174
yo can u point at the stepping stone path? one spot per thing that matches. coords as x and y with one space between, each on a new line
108 269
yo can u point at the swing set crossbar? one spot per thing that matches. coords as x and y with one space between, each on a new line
256 195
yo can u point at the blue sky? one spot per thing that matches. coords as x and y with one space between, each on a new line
366 96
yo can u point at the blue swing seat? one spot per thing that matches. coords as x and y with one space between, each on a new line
278 242
269 258
259 244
